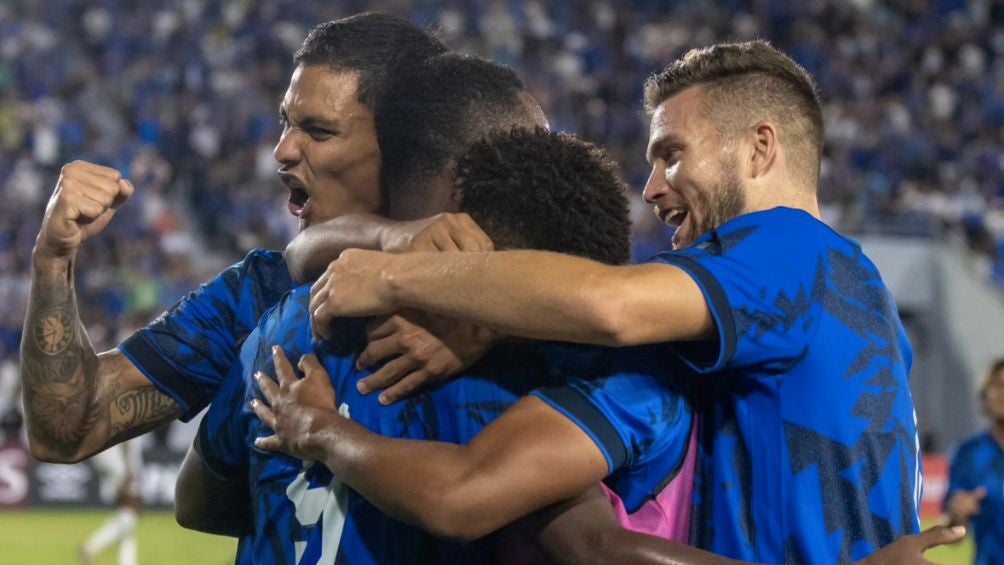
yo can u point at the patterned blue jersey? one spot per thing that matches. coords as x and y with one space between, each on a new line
188 350
979 462
809 443
302 514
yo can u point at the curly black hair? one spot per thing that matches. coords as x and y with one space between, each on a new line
432 114
532 189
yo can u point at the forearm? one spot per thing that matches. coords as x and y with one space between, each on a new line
453 491
632 548
312 249
541 295
57 362
77 402
407 480
583 530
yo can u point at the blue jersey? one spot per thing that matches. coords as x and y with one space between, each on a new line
303 514
188 350
809 443
979 462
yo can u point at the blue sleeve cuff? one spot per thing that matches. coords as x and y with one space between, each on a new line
718 304
164 376
576 407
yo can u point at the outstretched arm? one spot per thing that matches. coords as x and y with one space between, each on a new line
530 457
584 531
77 402
309 253
532 294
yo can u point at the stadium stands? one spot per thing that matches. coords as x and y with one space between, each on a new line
182 96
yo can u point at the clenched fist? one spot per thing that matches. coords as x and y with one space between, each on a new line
84 201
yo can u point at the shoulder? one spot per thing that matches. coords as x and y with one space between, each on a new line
262 262
972 445
263 273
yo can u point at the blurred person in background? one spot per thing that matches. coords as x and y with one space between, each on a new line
118 469
976 476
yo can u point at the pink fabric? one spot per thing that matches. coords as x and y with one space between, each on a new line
668 514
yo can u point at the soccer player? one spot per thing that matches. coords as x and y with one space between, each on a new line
497 180
518 185
78 402
809 445
118 469
976 477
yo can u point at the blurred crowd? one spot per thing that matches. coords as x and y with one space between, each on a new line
182 95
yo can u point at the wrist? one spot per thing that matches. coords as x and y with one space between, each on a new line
390 279
323 432
45 261
390 236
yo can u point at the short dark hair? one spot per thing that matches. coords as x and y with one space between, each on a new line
532 189
746 82
433 113
374 44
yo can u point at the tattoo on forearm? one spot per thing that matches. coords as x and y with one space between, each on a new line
136 411
58 391
59 412
72 397
54 331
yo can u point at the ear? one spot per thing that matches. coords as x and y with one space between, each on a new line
765 149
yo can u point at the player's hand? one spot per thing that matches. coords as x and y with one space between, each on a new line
442 232
423 349
910 549
965 504
84 201
295 409
356 284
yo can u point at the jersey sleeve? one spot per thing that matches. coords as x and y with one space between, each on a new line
762 303
222 439
636 411
188 350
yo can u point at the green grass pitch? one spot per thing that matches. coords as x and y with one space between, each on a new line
50 537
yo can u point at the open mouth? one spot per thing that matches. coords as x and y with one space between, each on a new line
297 200
298 197
673 216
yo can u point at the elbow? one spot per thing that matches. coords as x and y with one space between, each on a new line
451 528
185 516
186 511
617 330
456 517
294 263
191 517
611 324
47 453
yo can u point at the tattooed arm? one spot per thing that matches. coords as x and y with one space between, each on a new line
77 402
